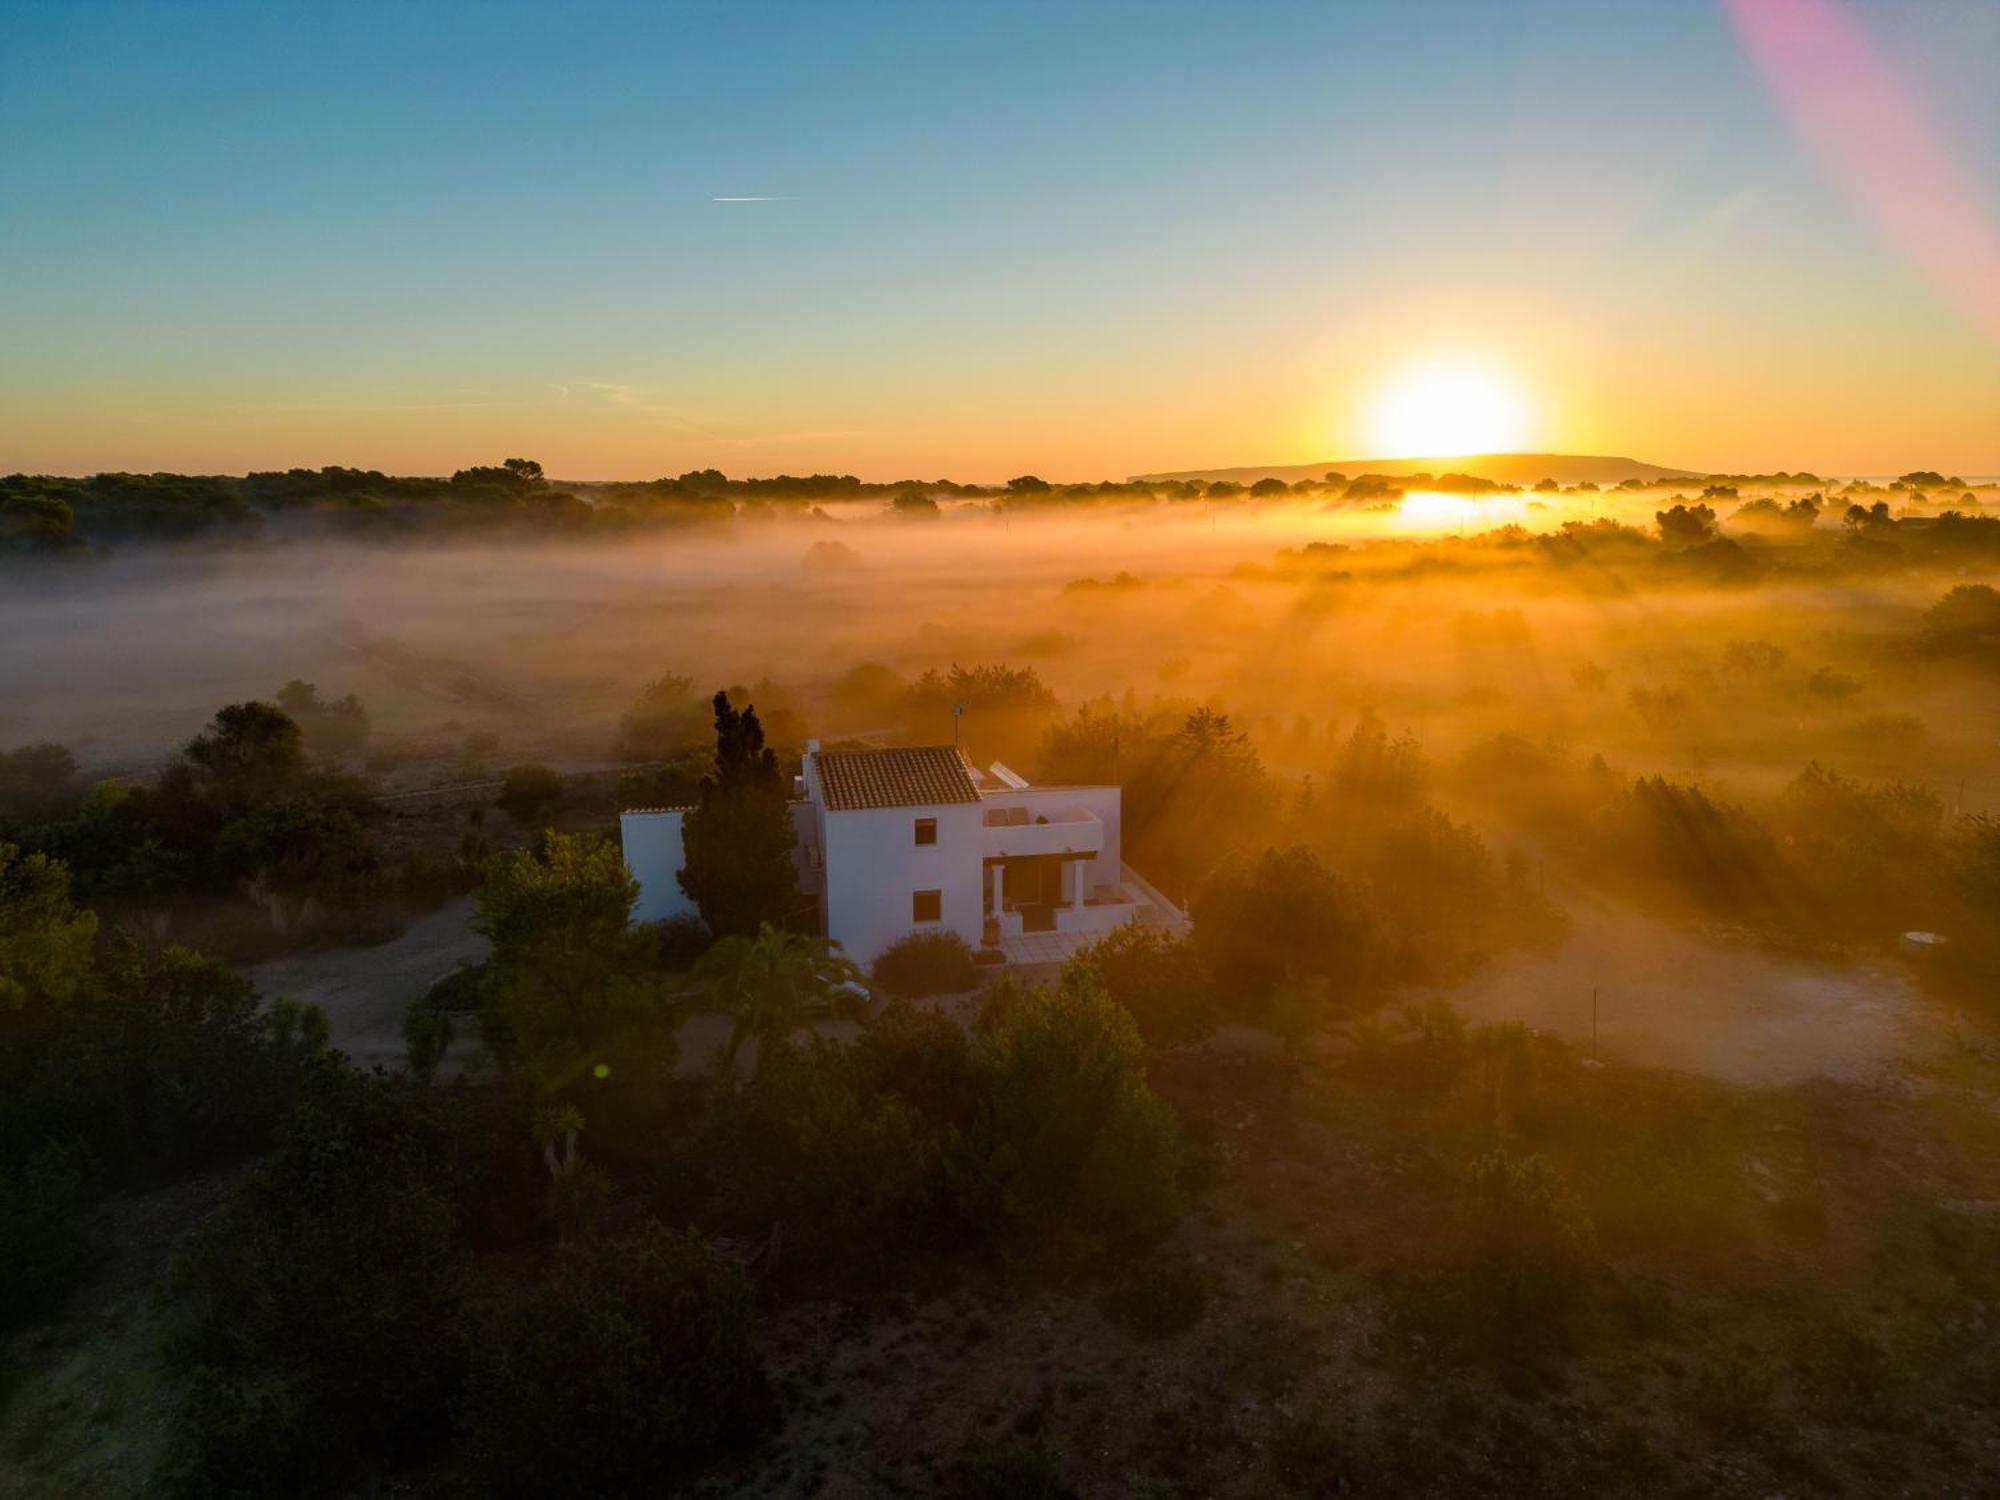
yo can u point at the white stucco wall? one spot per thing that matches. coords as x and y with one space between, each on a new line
874 865
1102 802
652 844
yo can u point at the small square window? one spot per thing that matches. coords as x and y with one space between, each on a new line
927 906
927 830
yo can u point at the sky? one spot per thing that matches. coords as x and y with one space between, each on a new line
977 240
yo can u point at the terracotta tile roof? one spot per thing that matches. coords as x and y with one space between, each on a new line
920 776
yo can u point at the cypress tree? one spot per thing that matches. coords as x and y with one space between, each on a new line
737 842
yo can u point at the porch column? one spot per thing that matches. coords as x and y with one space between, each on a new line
1071 881
998 871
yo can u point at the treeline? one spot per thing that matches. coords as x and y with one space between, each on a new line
1689 545
55 515
49 515
52 516
252 839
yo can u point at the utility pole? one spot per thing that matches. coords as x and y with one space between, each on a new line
957 713
1593 1023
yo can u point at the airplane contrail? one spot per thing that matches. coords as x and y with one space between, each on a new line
754 198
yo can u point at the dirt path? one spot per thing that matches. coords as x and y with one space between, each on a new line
1673 997
364 991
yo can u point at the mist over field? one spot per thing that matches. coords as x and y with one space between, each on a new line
1429 617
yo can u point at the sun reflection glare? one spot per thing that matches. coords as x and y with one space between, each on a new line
1428 510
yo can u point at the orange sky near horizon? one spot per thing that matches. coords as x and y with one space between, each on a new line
996 241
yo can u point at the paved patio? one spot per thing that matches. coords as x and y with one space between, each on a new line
1046 947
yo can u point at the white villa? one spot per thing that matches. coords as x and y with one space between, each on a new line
900 841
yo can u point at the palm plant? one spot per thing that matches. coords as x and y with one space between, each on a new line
777 984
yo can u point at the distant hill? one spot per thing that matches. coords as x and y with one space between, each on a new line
1502 468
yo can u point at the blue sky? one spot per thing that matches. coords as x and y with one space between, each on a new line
1084 238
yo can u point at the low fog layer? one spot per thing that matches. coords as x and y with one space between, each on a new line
1429 618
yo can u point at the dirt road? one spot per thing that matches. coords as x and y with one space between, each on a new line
1674 997
364 991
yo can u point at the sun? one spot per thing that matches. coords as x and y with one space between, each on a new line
1447 408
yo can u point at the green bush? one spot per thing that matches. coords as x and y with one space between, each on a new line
150 1060
348 1258
633 1359
850 1173
927 963
1157 976
1070 1145
921 1057
1515 1269
682 940
1282 914
457 991
427 1033
528 794
363 1229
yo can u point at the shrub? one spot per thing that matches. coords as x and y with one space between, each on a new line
1965 622
1854 1376
457 991
921 1057
569 979
1158 977
666 717
161 1060
682 940
427 1033
927 963
1069 1144
1282 914
635 1357
1515 1268
360 1231
1694 849
1830 686
37 783
347 1258
529 793
851 1176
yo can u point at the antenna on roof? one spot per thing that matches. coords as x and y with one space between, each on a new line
957 713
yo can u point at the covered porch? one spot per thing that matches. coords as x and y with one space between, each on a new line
1030 894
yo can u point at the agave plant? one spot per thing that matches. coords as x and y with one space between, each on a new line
777 984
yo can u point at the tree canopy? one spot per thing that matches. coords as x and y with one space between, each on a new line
737 842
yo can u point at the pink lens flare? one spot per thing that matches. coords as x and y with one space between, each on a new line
1847 103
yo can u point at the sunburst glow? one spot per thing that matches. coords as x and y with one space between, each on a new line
1449 408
